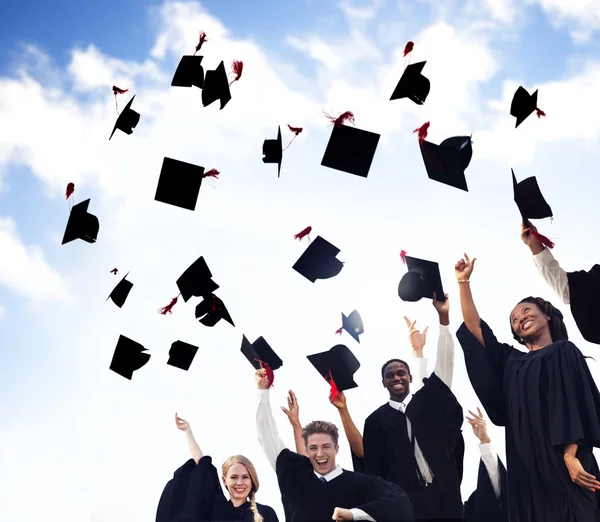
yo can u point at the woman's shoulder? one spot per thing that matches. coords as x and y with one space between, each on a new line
267 512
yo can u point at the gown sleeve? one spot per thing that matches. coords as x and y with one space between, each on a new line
374 461
385 501
574 396
358 464
173 495
483 505
485 366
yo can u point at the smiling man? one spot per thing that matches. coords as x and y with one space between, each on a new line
314 487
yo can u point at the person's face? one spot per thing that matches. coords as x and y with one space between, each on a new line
396 380
238 482
321 452
528 321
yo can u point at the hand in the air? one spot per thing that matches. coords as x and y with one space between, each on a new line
183 425
479 426
262 381
339 402
579 475
416 338
442 307
464 268
534 244
342 514
293 410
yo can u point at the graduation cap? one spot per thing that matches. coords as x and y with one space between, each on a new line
189 72
353 325
446 162
319 261
259 353
128 357
121 291
584 288
196 280
127 120
181 355
273 151
179 183
81 224
339 364
412 84
523 104
216 87
421 281
211 310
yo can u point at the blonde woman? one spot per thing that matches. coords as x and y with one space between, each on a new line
195 494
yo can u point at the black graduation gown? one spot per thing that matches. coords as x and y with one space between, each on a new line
306 499
436 418
483 506
194 494
546 399
583 292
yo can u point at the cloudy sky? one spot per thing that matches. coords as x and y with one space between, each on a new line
93 446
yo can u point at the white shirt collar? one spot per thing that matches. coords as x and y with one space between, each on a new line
332 474
406 401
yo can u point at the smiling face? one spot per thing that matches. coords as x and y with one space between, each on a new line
321 452
396 380
528 321
238 482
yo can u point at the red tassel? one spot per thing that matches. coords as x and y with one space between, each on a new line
213 307
335 392
70 190
212 173
296 131
201 41
409 47
422 130
167 309
540 113
303 233
117 90
339 330
114 271
543 239
403 256
237 67
270 373
341 118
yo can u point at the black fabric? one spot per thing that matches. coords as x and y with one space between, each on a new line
306 499
546 399
584 292
483 505
194 494
436 418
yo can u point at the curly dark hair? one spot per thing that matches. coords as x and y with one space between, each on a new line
558 330
391 361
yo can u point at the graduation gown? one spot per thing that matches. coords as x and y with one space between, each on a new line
436 418
194 494
546 399
306 499
483 506
583 291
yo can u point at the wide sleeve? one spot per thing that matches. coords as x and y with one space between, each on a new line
485 366
358 464
483 505
374 460
173 495
384 501
574 398
292 469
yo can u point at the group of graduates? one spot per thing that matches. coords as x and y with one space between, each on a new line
408 461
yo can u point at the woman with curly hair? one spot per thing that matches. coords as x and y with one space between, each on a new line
548 402
194 493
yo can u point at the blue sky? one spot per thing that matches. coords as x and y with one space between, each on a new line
57 110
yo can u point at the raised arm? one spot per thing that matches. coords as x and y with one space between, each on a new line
293 414
463 270
352 434
444 362
192 444
488 455
417 340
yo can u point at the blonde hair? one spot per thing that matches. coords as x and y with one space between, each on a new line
240 459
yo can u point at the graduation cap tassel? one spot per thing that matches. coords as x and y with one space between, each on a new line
403 254
407 50
212 173
237 67
200 41
114 271
296 131
270 373
339 331
303 233
167 309
422 134
540 113
339 121
543 239
335 392
117 90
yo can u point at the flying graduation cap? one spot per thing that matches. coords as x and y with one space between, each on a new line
181 355
211 310
319 261
189 72
81 224
353 325
127 120
421 281
128 357
273 151
337 366
259 355
523 104
216 87
120 291
412 84
350 149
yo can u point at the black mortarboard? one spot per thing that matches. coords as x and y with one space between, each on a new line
422 280
353 325
121 291
447 161
189 72
319 261
81 224
259 351
181 355
523 104
179 183
127 120
196 280
129 356
211 310
412 84
584 289
216 87
350 150
529 199
273 151
342 364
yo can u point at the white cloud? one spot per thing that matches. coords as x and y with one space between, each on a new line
2 312
562 12
317 50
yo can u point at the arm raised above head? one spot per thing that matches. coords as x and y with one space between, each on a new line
268 435
184 426
463 270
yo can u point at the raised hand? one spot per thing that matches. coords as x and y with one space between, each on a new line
479 426
534 244
293 409
339 401
183 425
416 338
464 268
442 307
262 381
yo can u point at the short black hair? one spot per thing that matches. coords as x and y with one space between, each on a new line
391 361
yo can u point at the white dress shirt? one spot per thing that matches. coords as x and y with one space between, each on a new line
272 445
490 459
554 275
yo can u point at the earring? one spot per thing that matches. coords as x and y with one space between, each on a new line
522 340
548 318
